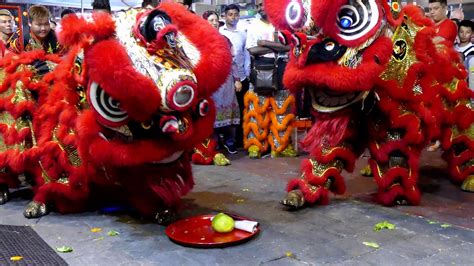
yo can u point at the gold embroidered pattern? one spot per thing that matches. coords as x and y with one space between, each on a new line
21 123
63 180
21 94
404 55
71 151
44 174
319 169
394 135
453 86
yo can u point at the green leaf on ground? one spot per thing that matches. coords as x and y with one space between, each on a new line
432 222
64 249
384 225
445 225
113 233
371 244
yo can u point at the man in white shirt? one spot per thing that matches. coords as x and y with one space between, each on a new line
261 36
238 39
466 48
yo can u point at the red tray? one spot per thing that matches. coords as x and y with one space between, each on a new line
197 232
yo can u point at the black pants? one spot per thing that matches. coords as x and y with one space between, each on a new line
239 134
225 135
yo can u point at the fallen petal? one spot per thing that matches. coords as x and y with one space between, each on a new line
371 244
16 258
64 249
289 254
113 233
384 225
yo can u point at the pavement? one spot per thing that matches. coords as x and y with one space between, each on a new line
438 232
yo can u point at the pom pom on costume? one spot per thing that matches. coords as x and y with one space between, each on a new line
205 154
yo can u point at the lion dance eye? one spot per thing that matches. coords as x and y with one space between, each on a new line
203 107
108 109
295 14
178 90
345 22
181 96
357 18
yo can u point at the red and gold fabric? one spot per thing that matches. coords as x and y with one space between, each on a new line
378 80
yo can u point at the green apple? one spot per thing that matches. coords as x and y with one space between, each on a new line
223 223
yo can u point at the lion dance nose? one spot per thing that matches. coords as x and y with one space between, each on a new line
178 90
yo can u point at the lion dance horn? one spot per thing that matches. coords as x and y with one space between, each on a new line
395 8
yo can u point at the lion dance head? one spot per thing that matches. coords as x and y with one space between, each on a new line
378 79
124 107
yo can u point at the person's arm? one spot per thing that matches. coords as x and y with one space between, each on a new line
247 60
265 47
234 72
275 46
237 85
259 51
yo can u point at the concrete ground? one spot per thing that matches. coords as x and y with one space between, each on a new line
438 232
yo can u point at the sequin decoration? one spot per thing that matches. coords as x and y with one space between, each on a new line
403 56
18 124
394 135
71 151
21 94
319 169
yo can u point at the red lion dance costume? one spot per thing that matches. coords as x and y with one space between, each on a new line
117 117
378 82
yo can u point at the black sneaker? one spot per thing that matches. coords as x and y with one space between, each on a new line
230 148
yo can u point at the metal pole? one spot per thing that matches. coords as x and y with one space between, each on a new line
82 6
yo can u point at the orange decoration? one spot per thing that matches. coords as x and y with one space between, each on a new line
265 126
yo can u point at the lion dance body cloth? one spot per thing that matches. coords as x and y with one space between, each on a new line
379 82
117 117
